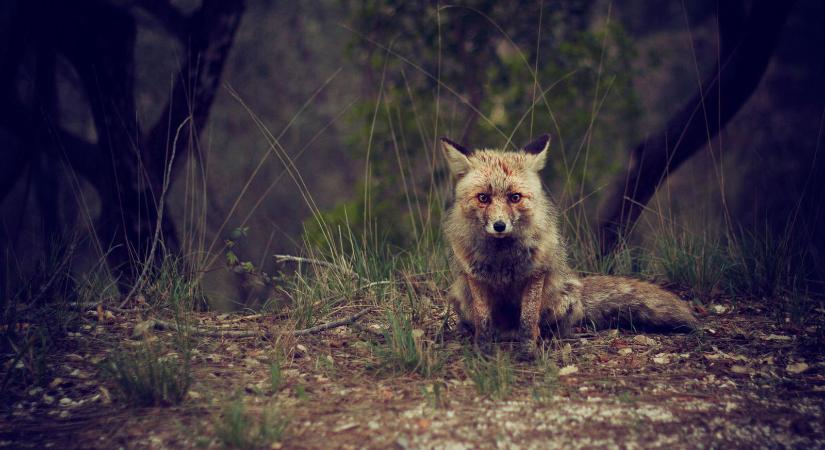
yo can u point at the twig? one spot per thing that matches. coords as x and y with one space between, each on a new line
333 324
314 262
215 332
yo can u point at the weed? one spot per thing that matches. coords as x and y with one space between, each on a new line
761 263
547 384
150 374
276 377
405 349
492 375
694 262
236 427
434 394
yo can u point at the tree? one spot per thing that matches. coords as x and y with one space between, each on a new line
747 44
126 165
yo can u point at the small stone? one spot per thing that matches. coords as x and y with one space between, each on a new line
65 401
625 351
719 309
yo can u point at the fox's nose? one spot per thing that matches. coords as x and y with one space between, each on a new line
500 226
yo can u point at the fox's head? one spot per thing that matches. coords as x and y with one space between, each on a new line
500 191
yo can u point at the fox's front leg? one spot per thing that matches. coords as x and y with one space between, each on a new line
479 308
531 304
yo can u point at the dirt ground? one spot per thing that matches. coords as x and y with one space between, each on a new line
751 379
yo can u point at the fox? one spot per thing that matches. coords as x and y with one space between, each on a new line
510 261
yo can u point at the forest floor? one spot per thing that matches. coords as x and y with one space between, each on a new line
751 378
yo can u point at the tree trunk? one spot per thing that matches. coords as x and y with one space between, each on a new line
126 168
746 49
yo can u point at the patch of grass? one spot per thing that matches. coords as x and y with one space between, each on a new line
405 348
585 253
492 375
276 376
237 427
36 311
149 374
172 286
627 397
760 263
697 263
434 394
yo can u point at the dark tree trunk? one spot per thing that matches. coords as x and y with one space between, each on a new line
746 49
126 167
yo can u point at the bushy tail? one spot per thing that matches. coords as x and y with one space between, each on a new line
611 301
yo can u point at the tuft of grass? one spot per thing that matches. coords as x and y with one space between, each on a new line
697 263
276 376
434 394
405 349
492 375
37 308
171 285
237 427
586 256
760 263
149 374
547 382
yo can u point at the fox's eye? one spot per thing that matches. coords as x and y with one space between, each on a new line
484 198
515 198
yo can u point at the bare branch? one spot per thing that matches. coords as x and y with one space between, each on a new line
171 18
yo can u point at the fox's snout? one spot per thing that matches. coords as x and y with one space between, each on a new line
499 227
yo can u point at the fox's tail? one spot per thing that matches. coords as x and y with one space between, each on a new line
618 301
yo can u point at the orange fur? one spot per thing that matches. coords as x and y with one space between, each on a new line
511 261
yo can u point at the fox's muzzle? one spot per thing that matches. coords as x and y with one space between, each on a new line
498 228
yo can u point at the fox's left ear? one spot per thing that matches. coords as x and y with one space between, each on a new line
538 148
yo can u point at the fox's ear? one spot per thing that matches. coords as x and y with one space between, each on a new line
456 157
538 148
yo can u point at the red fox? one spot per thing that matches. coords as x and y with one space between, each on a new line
511 259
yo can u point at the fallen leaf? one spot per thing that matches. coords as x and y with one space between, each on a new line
644 340
424 423
661 358
625 351
142 329
797 367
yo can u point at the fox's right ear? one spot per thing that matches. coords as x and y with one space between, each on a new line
457 157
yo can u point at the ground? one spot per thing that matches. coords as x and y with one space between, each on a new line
751 378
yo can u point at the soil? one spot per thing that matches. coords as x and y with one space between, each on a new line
751 378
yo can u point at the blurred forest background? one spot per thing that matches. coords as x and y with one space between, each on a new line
253 128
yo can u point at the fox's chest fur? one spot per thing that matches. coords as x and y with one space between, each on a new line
500 262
